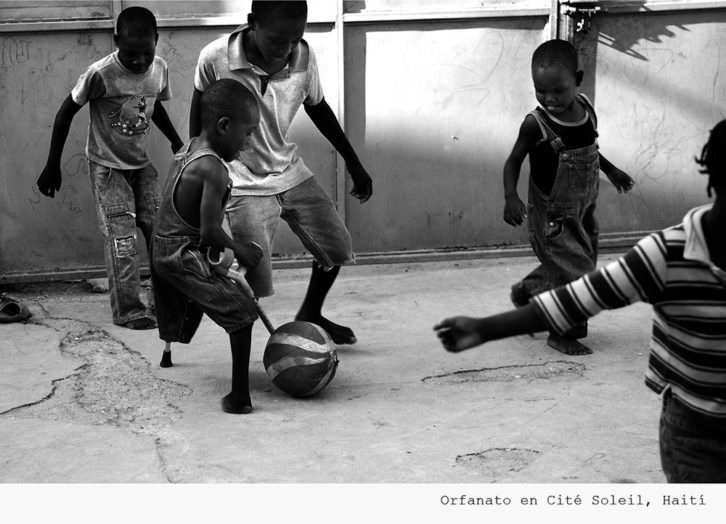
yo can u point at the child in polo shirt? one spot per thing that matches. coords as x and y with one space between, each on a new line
124 90
270 57
681 271
560 138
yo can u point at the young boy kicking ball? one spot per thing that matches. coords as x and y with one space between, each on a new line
271 58
189 222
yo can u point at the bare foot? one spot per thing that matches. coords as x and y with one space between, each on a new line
568 346
237 404
339 334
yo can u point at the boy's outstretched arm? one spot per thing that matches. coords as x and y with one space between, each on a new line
324 119
161 118
460 333
622 182
49 180
514 209
195 116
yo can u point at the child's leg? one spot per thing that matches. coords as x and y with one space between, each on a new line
238 400
144 183
116 210
533 284
311 309
255 219
313 218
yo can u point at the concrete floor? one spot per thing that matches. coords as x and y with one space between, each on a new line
82 400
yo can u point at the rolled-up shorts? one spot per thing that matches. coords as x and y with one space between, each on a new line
311 215
185 286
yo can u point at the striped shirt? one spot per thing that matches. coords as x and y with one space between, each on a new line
671 270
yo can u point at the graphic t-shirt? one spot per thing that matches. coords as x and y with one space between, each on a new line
121 106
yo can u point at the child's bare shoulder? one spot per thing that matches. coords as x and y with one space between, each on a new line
529 131
203 171
529 124
206 166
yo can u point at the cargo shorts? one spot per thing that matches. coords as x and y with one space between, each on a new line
311 215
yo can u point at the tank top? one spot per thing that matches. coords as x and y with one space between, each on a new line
169 223
543 159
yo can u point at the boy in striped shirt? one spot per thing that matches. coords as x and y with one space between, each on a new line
681 271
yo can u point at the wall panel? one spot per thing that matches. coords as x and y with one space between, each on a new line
657 81
435 108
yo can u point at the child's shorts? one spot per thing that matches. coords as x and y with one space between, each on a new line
311 215
185 286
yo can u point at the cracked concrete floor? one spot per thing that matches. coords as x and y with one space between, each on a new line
82 400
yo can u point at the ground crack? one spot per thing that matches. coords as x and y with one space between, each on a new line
114 386
545 370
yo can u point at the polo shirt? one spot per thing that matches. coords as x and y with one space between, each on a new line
270 164
673 271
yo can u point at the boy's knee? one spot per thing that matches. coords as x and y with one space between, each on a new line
338 256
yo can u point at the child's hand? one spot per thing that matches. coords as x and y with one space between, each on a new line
458 333
249 256
514 211
362 183
49 181
622 182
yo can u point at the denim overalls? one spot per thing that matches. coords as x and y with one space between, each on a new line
185 286
563 230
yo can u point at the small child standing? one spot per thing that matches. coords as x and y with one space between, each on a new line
560 137
189 222
124 90
681 271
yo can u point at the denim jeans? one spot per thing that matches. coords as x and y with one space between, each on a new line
692 445
125 200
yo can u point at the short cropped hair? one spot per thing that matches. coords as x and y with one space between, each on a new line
136 21
713 158
264 9
226 97
556 52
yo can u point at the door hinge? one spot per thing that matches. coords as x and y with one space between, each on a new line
581 13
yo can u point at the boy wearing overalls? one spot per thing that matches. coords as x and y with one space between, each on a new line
560 137
189 222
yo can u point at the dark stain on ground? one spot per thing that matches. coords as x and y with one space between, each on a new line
495 462
114 385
